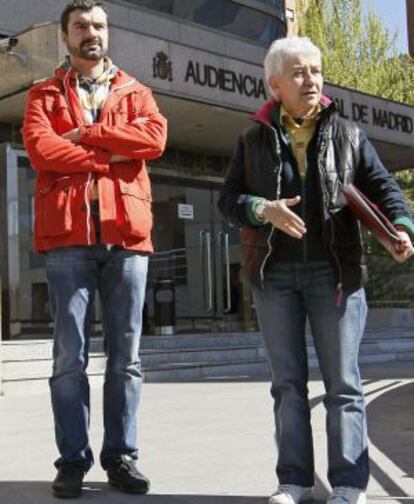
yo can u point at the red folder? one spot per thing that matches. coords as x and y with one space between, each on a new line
373 219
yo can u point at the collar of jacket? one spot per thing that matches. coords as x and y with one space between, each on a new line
65 66
264 114
122 84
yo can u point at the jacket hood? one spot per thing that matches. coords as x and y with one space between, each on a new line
264 114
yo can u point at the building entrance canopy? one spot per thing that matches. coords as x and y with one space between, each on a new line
206 97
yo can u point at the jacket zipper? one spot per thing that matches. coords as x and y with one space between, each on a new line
90 176
269 253
88 209
303 184
269 238
339 285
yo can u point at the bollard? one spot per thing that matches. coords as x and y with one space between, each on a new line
164 307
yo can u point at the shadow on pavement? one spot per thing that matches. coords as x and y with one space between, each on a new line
391 430
388 370
38 492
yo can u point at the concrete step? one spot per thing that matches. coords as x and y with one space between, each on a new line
171 372
184 348
22 350
43 346
186 357
389 333
32 368
241 369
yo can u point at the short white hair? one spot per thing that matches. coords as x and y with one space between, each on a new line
283 49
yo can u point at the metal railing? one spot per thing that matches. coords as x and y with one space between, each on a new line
170 264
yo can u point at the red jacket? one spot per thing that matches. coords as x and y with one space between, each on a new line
130 125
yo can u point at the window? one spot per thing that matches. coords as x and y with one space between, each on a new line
225 15
277 4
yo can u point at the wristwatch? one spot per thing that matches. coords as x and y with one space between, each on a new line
259 209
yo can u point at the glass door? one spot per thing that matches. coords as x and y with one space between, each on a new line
199 252
24 287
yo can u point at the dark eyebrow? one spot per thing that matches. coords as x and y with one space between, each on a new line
80 23
87 23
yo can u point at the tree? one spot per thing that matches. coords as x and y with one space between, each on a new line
357 50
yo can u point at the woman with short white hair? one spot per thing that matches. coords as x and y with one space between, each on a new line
303 260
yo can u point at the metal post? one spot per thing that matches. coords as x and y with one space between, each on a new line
1 352
7 190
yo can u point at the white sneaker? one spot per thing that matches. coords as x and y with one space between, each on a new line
347 495
290 494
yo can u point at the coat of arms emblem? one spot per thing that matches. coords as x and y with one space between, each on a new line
162 68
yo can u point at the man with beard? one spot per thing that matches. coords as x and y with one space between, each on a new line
89 132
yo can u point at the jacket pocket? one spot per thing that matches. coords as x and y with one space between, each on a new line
119 114
58 112
53 209
133 215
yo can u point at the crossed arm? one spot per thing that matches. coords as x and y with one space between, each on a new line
75 137
94 147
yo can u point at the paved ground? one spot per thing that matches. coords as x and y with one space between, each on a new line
210 442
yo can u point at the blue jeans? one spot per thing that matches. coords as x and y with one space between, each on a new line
293 292
74 274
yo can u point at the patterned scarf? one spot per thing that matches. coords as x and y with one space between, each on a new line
93 92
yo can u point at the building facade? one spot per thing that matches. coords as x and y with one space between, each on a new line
203 60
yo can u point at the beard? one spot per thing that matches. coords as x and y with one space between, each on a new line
84 51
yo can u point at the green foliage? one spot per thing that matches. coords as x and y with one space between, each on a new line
358 51
405 179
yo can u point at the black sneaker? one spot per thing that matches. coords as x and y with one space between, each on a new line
123 474
68 482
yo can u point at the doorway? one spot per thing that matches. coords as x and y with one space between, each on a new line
199 251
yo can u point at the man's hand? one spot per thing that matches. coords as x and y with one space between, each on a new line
72 135
407 249
277 213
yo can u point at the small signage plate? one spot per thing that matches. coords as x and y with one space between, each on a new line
185 211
